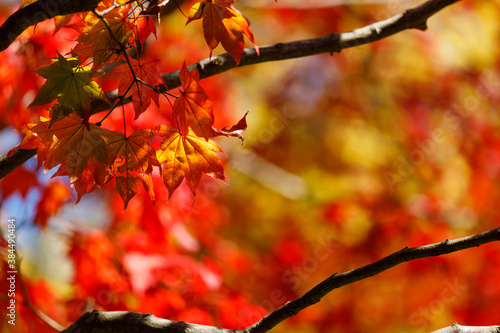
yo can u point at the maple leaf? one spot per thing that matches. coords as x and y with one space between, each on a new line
187 157
222 23
193 108
142 95
69 83
96 42
132 159
147 182
72 141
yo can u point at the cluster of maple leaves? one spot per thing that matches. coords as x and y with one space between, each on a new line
91 155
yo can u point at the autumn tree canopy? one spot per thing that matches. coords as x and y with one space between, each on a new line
363 161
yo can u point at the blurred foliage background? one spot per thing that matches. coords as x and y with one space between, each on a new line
347 158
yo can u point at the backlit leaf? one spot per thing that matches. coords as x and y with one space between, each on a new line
94 174
70 83
127 186
187 157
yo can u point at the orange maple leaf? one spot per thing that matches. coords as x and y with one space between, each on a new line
187 157
193 108
223 23
72 142
127 186
141 93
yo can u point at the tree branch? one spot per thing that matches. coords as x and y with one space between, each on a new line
335 281
456 328
9 164
415 18
37 12
131 322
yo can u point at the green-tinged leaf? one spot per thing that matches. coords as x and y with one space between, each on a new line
69 83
